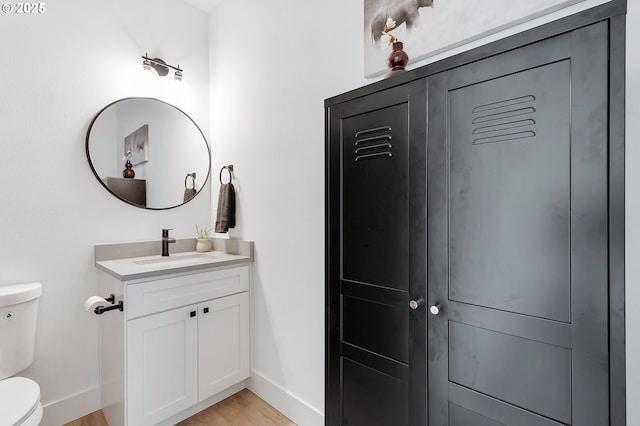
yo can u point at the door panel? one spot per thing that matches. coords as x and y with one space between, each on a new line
372 398
459 416
381 328
376 344
376 198
509 222
519 371
481 409
517 236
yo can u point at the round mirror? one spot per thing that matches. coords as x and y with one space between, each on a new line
148 153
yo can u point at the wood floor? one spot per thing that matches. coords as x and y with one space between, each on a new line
241 409
94 419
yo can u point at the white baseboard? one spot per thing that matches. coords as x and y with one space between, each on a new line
78 405
72 407
284 401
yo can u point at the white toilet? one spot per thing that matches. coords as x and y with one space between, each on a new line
19 396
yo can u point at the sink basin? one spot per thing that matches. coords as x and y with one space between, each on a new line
163 262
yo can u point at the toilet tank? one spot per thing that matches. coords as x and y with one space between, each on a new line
18 317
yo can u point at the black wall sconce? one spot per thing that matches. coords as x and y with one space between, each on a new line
160 67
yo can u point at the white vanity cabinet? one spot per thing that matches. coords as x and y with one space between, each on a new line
186 339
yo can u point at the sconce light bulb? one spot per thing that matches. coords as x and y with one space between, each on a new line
178 75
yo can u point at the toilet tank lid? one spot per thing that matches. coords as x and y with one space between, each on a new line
19 293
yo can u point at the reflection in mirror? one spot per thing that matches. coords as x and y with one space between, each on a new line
148 153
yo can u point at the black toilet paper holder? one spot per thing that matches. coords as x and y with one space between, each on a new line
99 310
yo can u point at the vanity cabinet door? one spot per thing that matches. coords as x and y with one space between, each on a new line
161 365
223 343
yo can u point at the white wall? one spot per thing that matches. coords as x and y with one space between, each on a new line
58 70
273 64
269 76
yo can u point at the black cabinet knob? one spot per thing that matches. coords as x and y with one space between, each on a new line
193 314
206 310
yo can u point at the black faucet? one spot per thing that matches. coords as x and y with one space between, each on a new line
165 241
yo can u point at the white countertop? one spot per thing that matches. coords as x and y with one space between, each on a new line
152 266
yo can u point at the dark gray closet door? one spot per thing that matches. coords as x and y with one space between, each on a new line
517 237
376 349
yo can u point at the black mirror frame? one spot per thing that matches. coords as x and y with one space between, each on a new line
104 185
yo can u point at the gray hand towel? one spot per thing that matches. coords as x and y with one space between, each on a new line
226 215
189 193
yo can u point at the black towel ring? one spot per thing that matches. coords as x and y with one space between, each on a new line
229 169
193 180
